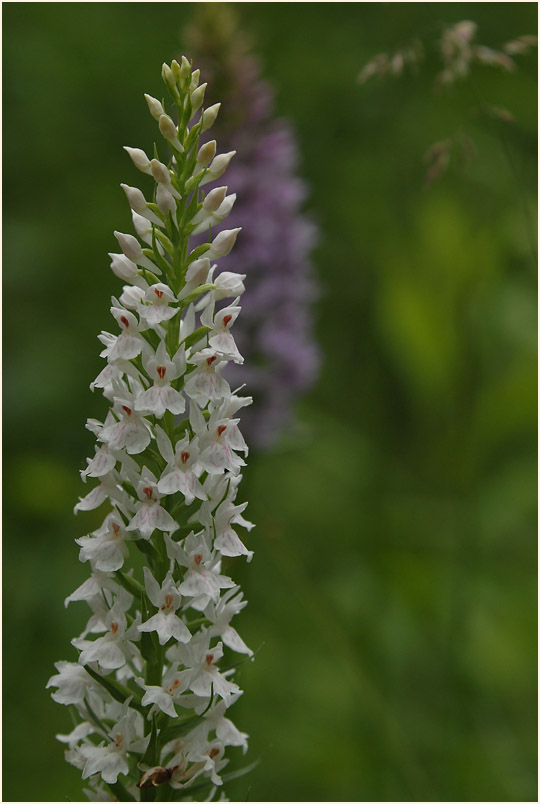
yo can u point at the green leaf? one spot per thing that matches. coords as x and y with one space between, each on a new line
226 777
176 731
193 136
197 252
195 336
120 791
163 239
148 642
173 732
195 295
116 690
97 722
151 755
130 584
154 255
147 548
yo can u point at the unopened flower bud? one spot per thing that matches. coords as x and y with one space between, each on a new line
223 243
195 75
139 158
165 201
218 167
206 153
170 132
123 267
137 202
220 164
185 69
130 245
197 97
175 67
167 75
135 197
142 227
155 107
198 271
214 199
160 172
209 116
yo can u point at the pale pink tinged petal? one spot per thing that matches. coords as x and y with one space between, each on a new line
102 760
233 640
239 520
174 400
171 483
164 445
156 313
101 464
178 629
215 459
85 591
141 521
212 676
152 623
199 387
223 687
104 377
114 434
111 557
156 695
136 438
193 489
229 544
153 589
105 651
224 582
162 626
224 343
227 732
202 684
161 519
126 347
236 439
151 401
92 500
166 626
195 583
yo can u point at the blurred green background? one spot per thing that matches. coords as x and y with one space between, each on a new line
394 579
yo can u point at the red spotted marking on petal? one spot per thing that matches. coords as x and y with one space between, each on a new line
116 528
209 658
213 752
124 321
161 370
168 602
159 293
226 320
114 627
149 491
198 559
174 686
221 429
184 456
210 360
118 739
127 410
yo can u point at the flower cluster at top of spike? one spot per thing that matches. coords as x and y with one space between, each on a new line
275 333
154 676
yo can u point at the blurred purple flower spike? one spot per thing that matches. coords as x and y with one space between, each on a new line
273 249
